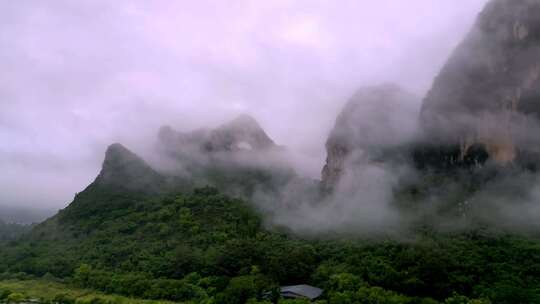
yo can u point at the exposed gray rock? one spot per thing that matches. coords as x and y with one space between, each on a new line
374 120
488 93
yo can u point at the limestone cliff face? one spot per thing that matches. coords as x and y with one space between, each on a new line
487 94
374 120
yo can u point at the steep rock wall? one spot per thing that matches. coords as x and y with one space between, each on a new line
487 93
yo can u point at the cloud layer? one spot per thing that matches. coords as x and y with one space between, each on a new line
77 76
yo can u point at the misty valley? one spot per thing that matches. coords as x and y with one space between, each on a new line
422 198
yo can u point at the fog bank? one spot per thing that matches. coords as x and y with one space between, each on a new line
77 76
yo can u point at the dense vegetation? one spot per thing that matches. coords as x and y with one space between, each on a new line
51 291
210 248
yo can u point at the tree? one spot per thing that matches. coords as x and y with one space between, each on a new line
15 298
82 274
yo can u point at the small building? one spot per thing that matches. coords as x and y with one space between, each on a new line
300 292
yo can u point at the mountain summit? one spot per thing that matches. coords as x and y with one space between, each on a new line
241 134
124 169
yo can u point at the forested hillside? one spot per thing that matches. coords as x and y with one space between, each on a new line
206 246
419 201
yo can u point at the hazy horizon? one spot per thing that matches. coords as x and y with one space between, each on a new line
78 76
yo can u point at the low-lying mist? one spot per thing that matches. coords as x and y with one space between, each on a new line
381 190
77 77
70 91
397 199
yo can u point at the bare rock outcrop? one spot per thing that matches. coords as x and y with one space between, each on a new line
487 95
375 120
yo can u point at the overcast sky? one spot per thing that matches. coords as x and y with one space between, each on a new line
76 76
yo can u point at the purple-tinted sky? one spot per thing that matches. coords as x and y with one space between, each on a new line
78 75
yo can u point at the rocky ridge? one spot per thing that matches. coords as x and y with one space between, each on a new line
241 134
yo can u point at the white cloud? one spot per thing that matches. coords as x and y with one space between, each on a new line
78 75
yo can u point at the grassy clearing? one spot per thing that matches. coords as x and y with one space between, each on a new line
47 291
